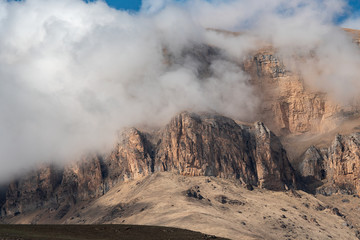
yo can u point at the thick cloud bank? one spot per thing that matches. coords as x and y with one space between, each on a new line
72 74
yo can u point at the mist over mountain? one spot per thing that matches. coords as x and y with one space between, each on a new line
73 74
235 118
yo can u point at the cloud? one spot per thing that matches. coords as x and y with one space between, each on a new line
72 73
154 6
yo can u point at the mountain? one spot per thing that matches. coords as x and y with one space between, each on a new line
191 144
290 174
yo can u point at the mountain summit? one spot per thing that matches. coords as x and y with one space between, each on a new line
290 171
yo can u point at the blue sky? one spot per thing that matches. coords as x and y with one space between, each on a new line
354 10
125 4
134 5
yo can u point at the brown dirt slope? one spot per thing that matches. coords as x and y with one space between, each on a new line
221 207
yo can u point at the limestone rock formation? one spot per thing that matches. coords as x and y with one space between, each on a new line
131 158
343 164
206 145
288 105
273 167
32 191
312 164
338 165
191 144
214 145
81 180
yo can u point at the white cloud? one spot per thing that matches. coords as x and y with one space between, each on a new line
72 74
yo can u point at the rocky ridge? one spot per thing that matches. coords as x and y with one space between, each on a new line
213 145
191 144
294 111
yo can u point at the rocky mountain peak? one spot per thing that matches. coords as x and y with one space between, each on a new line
191 144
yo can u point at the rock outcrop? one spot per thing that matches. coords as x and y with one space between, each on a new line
312 164
343 163
81 180
287 105
132 157
191 144
273 167
32 191
214 145
338 165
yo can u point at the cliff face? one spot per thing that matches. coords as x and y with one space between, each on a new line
291 108
216 146
312 164
191 144
338 165
32 191
287 105
81 180
343 165
273 167
132 157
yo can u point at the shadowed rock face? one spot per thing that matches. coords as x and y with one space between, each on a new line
81 181
312 164
338 165
32 191
3 189
273 167
191 144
